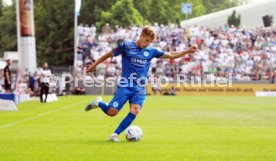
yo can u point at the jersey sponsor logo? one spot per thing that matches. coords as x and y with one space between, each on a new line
138 61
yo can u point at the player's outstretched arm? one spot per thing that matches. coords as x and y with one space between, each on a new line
178 54
92 67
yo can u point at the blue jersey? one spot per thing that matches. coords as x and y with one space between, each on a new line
135 63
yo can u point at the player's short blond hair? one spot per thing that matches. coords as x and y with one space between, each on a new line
149 31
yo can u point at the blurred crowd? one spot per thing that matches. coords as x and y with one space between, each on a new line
245 54
28 83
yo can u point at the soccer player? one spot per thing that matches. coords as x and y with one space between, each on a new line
136 57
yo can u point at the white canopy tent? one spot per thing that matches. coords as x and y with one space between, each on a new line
251 15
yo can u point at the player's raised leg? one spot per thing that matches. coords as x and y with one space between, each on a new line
107 109
115 105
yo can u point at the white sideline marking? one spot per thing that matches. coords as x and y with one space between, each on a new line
37 116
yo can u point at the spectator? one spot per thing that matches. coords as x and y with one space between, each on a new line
44 82
80 89
111 70
156 86
23 88
273 76
173 91
7 76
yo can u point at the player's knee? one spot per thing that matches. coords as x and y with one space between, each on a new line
135 109
112 112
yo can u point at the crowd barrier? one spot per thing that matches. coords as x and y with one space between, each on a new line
216 90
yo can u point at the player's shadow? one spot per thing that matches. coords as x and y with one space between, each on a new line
94 142
90 142
106 142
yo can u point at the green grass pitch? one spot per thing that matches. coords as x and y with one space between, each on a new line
174 128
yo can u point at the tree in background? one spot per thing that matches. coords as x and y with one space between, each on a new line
234 20
122 13
91 10
166 11
217 5
8 34
54 31
198 8
1 7
143 6
154 11
54 28
54 21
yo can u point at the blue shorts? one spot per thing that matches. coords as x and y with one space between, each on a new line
125 93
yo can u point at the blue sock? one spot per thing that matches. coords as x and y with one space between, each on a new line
125 123
104 107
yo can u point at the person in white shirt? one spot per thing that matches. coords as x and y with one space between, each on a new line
44 82
156 86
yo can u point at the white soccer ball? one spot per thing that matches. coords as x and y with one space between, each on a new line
133 133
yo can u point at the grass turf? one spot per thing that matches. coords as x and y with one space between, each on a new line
174 128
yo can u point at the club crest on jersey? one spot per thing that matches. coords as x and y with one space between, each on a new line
146 54
115 104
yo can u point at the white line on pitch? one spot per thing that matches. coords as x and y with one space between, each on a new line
38 116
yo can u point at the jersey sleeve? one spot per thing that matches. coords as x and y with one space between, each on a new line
158 53
120 49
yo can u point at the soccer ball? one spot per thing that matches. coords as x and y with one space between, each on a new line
133 133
